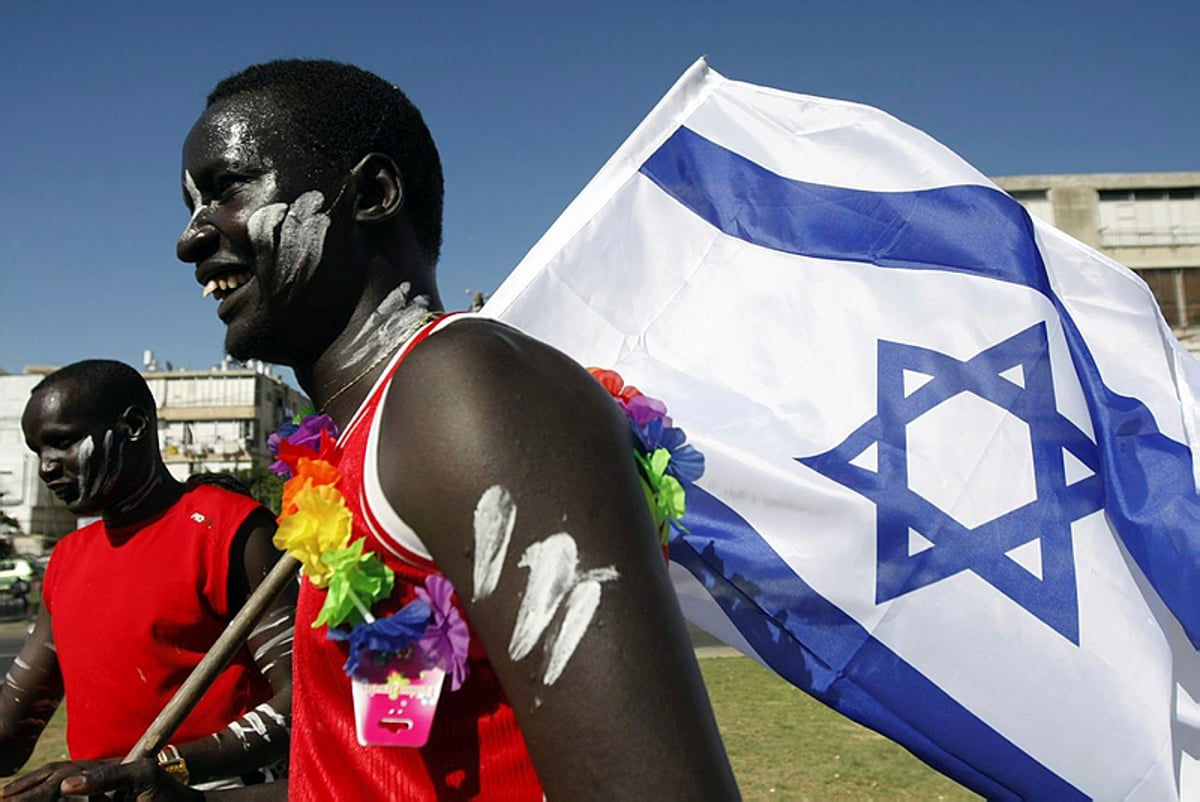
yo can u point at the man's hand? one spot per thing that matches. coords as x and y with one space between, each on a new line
141 780
44 782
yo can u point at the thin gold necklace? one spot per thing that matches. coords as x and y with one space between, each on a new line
427 317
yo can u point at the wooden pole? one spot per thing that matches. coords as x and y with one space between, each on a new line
163 727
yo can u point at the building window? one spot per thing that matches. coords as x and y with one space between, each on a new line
1139 217
1036 202
1177 291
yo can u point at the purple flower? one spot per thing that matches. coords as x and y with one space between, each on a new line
447 639
642 409
278 467
308 433
383 636
305 434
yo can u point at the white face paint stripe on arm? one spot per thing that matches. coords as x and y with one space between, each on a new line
554 578
495 516
273 714
551 565
581 607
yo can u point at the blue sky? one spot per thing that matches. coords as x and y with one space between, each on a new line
526 101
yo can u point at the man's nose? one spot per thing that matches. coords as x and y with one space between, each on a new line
49 466
198 241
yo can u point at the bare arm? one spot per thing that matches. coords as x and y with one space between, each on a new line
32 692
576 613
260 737
144 781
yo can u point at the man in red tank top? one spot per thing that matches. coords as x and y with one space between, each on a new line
133 601
490 473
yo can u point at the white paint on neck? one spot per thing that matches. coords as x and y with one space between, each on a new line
495 516
394 320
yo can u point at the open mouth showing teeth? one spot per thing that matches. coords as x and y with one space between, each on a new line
220 288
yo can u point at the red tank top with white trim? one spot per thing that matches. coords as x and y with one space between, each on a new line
475 749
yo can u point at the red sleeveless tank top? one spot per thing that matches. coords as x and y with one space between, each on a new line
475 749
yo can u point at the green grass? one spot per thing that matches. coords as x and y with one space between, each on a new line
783 744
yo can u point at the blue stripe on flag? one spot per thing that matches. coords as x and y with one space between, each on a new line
814 645
1150 493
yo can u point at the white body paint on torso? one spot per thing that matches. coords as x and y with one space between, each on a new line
554 582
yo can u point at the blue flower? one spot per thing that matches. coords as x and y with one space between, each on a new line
687 464
383 636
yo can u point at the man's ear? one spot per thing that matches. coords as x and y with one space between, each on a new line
134 422
379 189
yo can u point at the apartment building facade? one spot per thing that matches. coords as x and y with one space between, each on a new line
1149 222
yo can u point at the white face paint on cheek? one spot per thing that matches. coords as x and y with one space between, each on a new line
84 456
302 237
100 470
189 185
261 229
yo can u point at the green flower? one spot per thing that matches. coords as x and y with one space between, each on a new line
356 581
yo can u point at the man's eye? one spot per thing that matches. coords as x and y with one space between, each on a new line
226 183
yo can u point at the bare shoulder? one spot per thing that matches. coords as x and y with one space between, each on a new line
481 404
482 354
482 382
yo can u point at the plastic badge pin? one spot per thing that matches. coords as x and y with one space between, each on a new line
399 710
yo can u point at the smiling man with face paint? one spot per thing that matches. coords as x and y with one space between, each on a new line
469 452
133 601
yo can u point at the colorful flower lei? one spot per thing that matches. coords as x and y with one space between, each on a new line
667 464
315 528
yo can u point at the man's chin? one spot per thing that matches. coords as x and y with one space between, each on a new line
84 507
246 345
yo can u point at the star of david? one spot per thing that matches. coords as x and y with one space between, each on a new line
1025 552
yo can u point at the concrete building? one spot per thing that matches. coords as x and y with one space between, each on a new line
219 420
214 420
1149 222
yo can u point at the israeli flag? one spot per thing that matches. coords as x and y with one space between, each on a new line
950 488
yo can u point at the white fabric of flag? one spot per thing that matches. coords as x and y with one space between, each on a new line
949 483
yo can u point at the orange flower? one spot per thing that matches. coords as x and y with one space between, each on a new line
309 473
